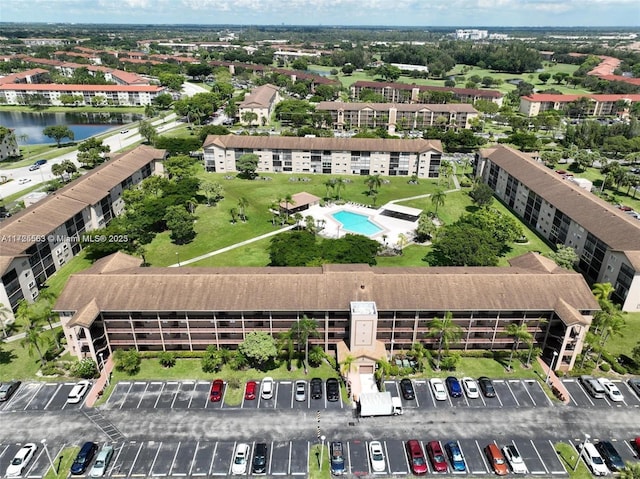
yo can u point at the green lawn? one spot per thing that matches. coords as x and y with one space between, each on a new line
316 456
63 462
17 363
569 457
56 282
630 337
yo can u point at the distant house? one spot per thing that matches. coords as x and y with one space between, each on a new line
299 202
260 101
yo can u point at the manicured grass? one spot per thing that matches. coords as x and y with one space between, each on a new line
16 363
630 337
56 283
324 471
476 367
569 456
63 462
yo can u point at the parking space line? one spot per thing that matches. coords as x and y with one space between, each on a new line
545 394
511 391
270 456
134 460
215 449
415 393
146 386
153 463
193 458
386 453
33 396
539 457
349 456
173 462
235 443
193 392
484 460
275 395
584 391
130 384
155 405
528 393
289 465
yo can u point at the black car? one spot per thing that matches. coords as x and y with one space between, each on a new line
333 389
406 386
260 458
84 458
487 387
315 388
337 458
635 385
455 390
610 456
7 390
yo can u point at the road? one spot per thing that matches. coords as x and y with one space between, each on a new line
116 141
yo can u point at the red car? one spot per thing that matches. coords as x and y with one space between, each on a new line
439 463
216 390
250 390
496 459
416 457
636 442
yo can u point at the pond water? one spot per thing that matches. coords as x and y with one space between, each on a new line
28 126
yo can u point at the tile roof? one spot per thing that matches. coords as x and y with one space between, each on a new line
618 230
68 87
406 86
327 288
335 144
261 97
548 97
435 107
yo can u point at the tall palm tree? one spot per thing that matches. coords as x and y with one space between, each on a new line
242 208
288 200
33 339
438 198
613 324
338 184
519 332
346 364
303 330
373 182
285 342
329 184
446 331
383 371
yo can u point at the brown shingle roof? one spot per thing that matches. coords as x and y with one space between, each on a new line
261 97
336 144
619 231
325 289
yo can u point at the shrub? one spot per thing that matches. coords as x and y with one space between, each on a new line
51 369
331 360
85 369
612 360
167 359
316 355
605 367
212 360
127 361
450 362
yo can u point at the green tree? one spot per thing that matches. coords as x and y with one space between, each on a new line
438 198
147 131
247 165
242 208
212 360
127 361
426 228
249 117
445 331
259 348
544 77
288 200
302 330
85 368
212 190
373 182
602 291
564 256
346 364
91 153
481 194
463 244
180 222
179 167
58 133
167 359
4 314
519 333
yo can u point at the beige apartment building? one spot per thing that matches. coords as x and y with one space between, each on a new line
599 105
90 95
260 101
334 156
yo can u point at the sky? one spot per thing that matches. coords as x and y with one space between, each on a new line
496 13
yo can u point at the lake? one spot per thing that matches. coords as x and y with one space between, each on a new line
83 125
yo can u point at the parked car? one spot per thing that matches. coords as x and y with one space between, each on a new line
593 386
240 458
102 461
470 388
613 393
455 456
124 132
333 389
250 390
593 460
610 455
406 386
260 458
417 461
436 456
439 391
78 391
266 388
315 386
496 460
84 457
377 456
216 390
636 443
453 385
8 389
635 385
301 390
486 385
337 458
34 167
24 181
514 459
21 460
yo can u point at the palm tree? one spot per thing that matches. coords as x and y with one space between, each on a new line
58 170
33 339
303 330
329 184
602 291
285 341
384 369
438 198
373 182
288 200
446 331
192 203
234 215
242 206
338 184
402 241
4 314
612 325
519 332
346 364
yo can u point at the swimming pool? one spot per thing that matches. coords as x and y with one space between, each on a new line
355 223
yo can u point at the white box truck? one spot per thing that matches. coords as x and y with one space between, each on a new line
379 404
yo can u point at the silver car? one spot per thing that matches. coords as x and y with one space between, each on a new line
301 390
102 461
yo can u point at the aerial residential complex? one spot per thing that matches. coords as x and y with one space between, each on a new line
398 116
606 239
118 304
39 240
599 105
406 93
90 95
346 156
261 102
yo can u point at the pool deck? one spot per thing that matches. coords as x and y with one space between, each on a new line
391 227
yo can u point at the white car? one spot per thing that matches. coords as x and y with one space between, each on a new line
377 456
79 390
593 460
102 461
240 459
266 388
301 390
24 181
439 391
612 390
21 460
514 459
470 388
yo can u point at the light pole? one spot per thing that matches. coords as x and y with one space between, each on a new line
178 256
46 450
553 359
322 438
586 440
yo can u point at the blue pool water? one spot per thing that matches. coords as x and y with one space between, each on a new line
356 223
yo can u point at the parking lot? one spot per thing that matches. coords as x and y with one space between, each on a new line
291 458
580 397
38 396
195 395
